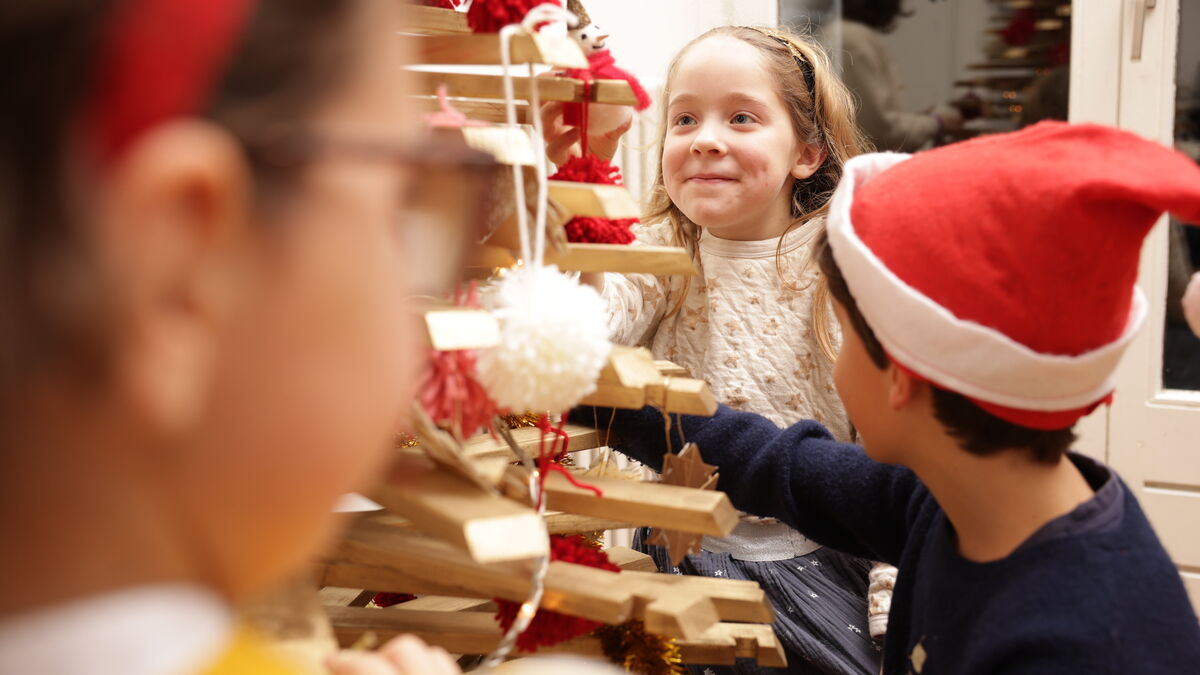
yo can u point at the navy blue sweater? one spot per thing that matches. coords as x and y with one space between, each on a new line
1092 592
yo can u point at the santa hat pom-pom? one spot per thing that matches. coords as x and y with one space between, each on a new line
489 16
553 341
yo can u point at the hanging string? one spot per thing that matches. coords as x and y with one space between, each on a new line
510 116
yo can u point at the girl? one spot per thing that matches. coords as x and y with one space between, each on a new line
756 128
200 338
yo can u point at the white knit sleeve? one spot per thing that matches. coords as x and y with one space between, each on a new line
637 302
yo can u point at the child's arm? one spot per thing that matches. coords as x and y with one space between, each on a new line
636 302
830 491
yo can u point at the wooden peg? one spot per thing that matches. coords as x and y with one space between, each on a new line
474 86
600 201
484 49
573 523
422 20
655 504
487 526
483 446
476 109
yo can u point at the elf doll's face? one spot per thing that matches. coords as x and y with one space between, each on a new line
590 38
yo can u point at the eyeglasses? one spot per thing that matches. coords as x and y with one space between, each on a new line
443 203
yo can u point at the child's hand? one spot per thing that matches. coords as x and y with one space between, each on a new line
404 655
562 142
1191 303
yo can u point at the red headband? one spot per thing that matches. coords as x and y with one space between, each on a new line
159 59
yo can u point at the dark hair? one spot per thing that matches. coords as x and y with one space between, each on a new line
977 431
878 14
289 55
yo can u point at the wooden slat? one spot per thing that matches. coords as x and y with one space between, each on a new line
469 85
373 556
424 20
573 523
459 328
476 109
654 504
659 260
630 560
631 380
735 600
487 526
478 633
483 446
484 49
600 201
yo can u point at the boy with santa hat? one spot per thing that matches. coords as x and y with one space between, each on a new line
986 291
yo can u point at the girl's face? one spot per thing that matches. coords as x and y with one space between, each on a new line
730 155
318 355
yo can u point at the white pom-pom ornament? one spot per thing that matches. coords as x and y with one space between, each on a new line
553 341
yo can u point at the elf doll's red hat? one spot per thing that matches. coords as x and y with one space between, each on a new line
1005 268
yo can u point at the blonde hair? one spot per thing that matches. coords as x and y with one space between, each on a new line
822 114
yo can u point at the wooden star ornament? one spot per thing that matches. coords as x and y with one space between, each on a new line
685 469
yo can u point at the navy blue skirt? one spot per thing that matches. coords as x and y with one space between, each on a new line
820 602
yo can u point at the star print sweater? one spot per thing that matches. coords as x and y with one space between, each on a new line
1091 592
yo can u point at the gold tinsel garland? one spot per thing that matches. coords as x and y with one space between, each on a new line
637 651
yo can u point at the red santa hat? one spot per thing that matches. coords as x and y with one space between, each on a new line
1005 268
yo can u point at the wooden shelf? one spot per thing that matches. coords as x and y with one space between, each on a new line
484 49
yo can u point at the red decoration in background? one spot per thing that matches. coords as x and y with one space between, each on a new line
489 16
450 393
550 628
1021 29
585 229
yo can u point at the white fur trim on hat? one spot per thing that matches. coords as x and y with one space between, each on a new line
963 356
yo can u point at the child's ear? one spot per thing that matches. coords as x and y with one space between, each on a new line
809 159
903 388
177 204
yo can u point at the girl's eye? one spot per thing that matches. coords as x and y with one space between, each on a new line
684 120
742 118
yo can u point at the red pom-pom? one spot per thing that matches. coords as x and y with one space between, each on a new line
489 16
550 628
450 393
588 169
588 230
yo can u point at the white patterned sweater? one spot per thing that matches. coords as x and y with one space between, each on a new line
741 328
747 331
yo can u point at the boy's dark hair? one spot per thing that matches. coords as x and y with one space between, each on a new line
291 52
978 431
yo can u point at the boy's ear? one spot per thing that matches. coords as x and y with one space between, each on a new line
903 388
177 204
810 158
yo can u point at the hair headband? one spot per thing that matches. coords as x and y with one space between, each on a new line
158 59
802 63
